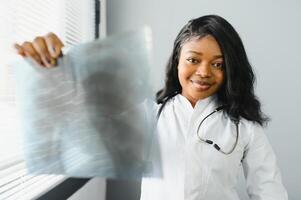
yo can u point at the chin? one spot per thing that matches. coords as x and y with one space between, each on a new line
198 96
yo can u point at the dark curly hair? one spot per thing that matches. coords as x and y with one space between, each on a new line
237 91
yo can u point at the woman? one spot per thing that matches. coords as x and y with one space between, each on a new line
209 120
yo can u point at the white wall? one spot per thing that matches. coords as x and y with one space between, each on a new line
271 33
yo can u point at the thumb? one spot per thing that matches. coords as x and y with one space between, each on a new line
19 49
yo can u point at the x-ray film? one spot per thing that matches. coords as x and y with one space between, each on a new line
92 115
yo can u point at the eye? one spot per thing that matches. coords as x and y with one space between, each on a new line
192 60
218 65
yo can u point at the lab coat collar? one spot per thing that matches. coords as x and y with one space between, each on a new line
200 104
194 114
202 108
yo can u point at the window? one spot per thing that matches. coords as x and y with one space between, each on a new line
74 22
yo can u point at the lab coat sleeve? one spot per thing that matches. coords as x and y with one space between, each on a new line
260 168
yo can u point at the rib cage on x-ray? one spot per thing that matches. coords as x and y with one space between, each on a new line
88 116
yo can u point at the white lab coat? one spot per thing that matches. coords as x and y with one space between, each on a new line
194 170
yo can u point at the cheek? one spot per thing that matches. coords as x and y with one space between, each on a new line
183 73
219 77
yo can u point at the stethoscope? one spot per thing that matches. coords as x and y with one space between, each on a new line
210 141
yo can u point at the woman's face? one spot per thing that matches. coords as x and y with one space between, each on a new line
200 69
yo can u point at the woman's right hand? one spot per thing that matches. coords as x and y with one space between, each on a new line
44 50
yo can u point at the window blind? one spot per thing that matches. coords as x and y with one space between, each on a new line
22 20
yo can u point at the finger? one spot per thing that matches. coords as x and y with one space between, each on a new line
41 48
19 49
31 53
54 45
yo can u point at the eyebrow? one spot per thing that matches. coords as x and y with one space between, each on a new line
199 53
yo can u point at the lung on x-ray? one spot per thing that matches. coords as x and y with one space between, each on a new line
93 114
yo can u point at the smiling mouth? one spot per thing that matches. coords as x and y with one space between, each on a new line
201 85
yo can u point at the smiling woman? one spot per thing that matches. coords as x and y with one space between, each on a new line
208 71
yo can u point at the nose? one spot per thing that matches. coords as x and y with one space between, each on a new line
203 70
